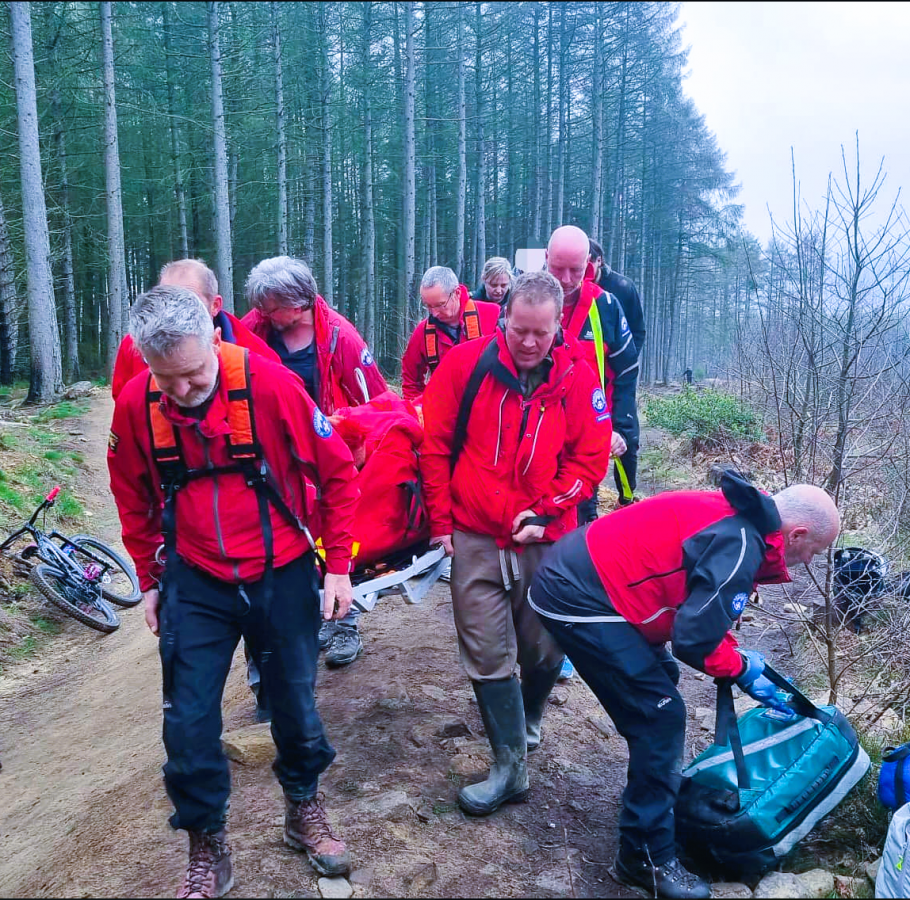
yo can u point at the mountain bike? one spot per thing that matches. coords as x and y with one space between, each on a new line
81 575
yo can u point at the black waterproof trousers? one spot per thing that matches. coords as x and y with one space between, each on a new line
207 622
635 683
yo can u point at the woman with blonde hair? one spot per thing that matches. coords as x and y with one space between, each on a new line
495 281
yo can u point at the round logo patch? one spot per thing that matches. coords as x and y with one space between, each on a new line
739 602
321 424
624 326
598 400
366 358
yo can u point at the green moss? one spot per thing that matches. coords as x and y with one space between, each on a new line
53 454
66 409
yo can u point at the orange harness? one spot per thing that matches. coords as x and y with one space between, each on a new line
471 321
242 443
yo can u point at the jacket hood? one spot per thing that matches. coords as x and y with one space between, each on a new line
750 502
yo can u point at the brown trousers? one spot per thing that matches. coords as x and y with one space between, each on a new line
497 629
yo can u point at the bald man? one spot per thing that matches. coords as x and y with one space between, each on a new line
595 317
677 567
195 276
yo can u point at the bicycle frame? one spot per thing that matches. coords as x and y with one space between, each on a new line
55 555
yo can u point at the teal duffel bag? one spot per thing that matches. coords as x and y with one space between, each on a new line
764 784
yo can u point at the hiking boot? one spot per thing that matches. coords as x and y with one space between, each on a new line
535 689
670 880
346 646
307 828
502 711
326 633
208 873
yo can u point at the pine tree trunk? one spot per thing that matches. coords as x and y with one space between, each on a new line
71 340
536 172
563 101
367 318
70 331
480 223
410 187
598 105
119 304
281 136
9 305
224 265
328 276
461 195
548 132
179 192
46 380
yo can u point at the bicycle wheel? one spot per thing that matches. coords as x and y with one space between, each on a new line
120 583
84 604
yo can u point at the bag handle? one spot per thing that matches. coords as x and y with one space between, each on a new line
726 730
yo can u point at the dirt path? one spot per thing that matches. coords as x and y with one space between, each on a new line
83 811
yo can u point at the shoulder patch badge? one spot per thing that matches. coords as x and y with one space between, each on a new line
598 400
739 602
624 326
366 358
321 424
112 441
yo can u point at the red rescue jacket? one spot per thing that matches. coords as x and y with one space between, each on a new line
680 566
218 525
348 374
416 367
129 360
544 453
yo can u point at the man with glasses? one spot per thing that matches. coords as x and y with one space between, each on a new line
516 434
331 358
453 318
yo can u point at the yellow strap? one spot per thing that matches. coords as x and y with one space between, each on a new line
597 329
623 479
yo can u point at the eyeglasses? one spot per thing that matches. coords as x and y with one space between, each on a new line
443 305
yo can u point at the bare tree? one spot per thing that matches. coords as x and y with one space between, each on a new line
224 264
46 380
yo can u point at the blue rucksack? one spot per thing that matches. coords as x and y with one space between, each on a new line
894 778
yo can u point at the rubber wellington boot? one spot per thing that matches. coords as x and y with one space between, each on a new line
535 689
503 716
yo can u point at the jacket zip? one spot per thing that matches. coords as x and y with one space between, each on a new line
633 584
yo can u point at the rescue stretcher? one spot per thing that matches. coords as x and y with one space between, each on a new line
410 572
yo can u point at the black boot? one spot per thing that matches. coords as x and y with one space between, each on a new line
535 688
670 880
503 717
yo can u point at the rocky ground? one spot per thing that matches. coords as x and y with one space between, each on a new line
84 811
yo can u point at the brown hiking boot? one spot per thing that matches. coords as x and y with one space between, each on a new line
208 873
307 828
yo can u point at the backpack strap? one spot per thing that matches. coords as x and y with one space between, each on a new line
484 366
471 320
431 345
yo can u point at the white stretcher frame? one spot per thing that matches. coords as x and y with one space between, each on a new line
412 582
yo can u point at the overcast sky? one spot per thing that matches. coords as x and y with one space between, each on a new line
768 76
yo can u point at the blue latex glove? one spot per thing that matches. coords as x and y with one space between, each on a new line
758 687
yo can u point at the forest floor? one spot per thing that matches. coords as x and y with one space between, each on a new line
84 812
